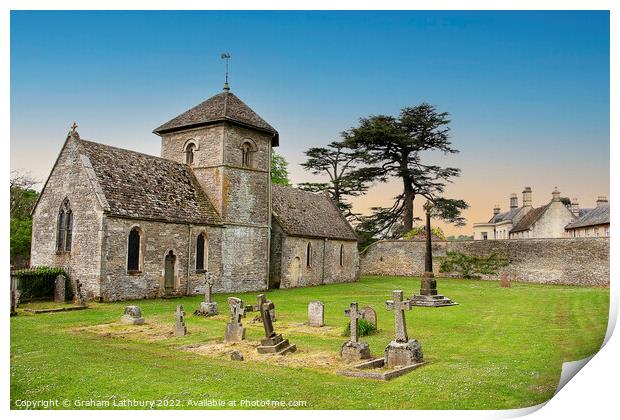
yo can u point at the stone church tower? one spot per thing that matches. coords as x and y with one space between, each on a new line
228 146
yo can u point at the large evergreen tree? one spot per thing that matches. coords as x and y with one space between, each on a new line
393 148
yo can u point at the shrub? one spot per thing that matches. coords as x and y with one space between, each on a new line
419 232
364 328
471 266
39 282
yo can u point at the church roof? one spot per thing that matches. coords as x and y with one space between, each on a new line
224 106
302 213
141 186
529 219
597 216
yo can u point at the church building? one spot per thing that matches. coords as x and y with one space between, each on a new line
128 225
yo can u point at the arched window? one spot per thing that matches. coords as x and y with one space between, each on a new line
309 255
189 153
201 253
341 255
64 227
133 250
246 154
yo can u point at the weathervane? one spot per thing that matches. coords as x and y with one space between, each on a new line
226 56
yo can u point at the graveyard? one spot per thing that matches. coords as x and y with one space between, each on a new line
498 348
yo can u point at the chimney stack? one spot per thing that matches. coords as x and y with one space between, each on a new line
556 194
496 210
514 201
602 201
574 207
527 197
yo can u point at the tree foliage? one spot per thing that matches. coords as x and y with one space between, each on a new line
419 232
339 164
393 148
279 170
22 200
472 266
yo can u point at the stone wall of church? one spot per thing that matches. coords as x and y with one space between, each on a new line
69 179
324 266
156 240
245 254
572 261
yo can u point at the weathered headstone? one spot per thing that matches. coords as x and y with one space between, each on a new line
370 315
273 342
235 331
354 349
316 314
401 351
14 295
179 326
236 355
59 289
132 316
504 280
208 307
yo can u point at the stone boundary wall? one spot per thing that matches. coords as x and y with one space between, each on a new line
570 261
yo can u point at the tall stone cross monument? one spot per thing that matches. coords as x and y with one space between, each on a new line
354 349
401 351
428 285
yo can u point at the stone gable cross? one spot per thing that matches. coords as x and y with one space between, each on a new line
398 305
354 315
264 306
74 127
237 310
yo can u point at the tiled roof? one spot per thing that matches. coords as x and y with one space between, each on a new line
509 215
224 106
302 213
529 219
148 187
597 216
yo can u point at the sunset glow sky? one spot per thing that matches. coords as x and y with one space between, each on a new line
528 92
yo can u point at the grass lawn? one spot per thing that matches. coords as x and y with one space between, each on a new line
500 348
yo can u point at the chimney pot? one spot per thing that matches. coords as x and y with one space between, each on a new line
601 201
527 197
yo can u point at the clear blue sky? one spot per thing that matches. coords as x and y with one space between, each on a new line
528 91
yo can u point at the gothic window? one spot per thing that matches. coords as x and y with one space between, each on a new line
309 255
133 250
201 253
246 154
341 255
64 227
189 153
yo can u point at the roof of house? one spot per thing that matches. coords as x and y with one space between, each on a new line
141 186
597 216
509 215
224 106
302 213
529 219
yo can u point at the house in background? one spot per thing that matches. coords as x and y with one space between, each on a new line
592 222
555 219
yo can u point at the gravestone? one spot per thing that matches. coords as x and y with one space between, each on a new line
208 307
179 327
354 349
236 355
504 280
401 351
59 289
273 342
316 314
235 331
370 315
132 316
14 295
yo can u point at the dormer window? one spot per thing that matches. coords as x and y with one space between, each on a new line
189 153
